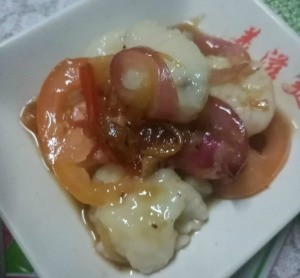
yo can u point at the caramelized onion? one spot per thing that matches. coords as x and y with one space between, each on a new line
165 144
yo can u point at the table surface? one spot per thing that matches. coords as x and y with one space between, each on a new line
279 258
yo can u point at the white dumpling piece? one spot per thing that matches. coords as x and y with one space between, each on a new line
252 99
189 68
146 227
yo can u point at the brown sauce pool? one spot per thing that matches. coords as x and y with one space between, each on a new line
28 118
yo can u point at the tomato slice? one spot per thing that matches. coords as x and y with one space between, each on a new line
66 146
77 182
52 104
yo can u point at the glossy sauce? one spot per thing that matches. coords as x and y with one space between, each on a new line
269 152
268 155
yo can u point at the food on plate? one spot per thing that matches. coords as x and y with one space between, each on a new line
152 224
149 125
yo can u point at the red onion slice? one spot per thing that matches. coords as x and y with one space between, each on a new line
144 83
218 146
238 57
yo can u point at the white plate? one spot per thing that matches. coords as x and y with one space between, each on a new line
39 214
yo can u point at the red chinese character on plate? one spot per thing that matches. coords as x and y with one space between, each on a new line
293 89
273 62
247 37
